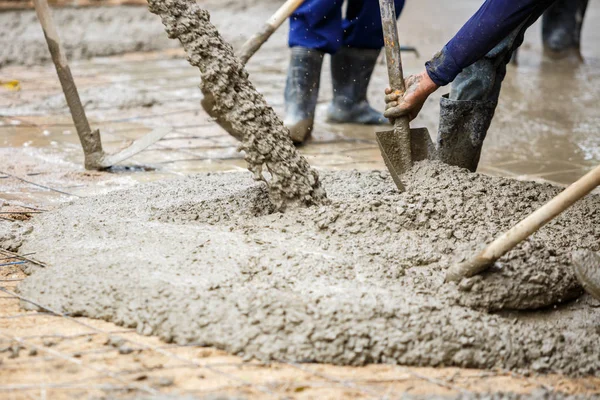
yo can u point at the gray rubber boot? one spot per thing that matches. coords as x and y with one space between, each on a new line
351 70
302 91
463 127
561 29
587 271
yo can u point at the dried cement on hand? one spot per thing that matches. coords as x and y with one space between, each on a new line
265 140
206 260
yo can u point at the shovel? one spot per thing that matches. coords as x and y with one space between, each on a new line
525 228
95 157
401 146
248 49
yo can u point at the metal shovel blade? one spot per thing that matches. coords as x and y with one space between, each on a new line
108 160
208 103
421 148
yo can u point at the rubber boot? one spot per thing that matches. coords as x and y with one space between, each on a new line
351 70
463 127
302 91
561 29
587 271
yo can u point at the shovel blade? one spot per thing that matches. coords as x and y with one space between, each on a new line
208 104
108 160
421 148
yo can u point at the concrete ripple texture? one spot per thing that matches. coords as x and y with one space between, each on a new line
206 260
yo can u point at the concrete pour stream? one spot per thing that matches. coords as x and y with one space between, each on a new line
208 260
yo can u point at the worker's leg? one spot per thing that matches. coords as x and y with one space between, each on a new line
466 114
315 29
561 28
353 64
587 271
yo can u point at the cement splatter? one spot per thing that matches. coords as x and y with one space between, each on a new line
206 260
265 140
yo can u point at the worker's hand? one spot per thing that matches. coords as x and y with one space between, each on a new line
418 89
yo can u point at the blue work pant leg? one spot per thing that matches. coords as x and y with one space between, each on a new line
362 25
317 25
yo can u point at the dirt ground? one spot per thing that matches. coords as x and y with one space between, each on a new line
44 355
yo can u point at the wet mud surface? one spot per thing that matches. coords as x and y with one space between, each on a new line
206 260
534 135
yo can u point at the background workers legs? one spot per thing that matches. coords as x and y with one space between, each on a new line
318 27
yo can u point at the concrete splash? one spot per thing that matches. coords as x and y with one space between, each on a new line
360 280
265 141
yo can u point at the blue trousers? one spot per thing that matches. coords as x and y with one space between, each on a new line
319 25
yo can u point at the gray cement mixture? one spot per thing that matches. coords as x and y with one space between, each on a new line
265 140
207 260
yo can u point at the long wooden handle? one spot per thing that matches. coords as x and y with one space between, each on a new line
89 139
396 78
392 45
525 228
258 39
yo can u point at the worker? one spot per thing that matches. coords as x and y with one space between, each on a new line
561 29
474 61
354 42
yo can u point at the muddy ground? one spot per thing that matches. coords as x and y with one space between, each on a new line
531 121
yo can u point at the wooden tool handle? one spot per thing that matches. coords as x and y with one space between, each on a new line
396 77
525 228
392 45
89 139
258 39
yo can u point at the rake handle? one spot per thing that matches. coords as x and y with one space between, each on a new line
89 139
525 228
254 43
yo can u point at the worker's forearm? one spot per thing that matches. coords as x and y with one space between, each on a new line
494 21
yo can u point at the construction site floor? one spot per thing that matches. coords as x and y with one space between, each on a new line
46 354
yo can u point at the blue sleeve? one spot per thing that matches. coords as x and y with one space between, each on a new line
494 21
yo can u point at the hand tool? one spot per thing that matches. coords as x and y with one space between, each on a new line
401 146
248 49
95 157
525 228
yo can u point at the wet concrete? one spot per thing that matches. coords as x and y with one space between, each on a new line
265 142
354 290
205 260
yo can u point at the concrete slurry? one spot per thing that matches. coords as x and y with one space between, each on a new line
268 149
208 260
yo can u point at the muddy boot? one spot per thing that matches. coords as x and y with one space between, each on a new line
587 271
302 91
561 29
463 126
351 70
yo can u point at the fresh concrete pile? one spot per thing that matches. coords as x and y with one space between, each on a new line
207 260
